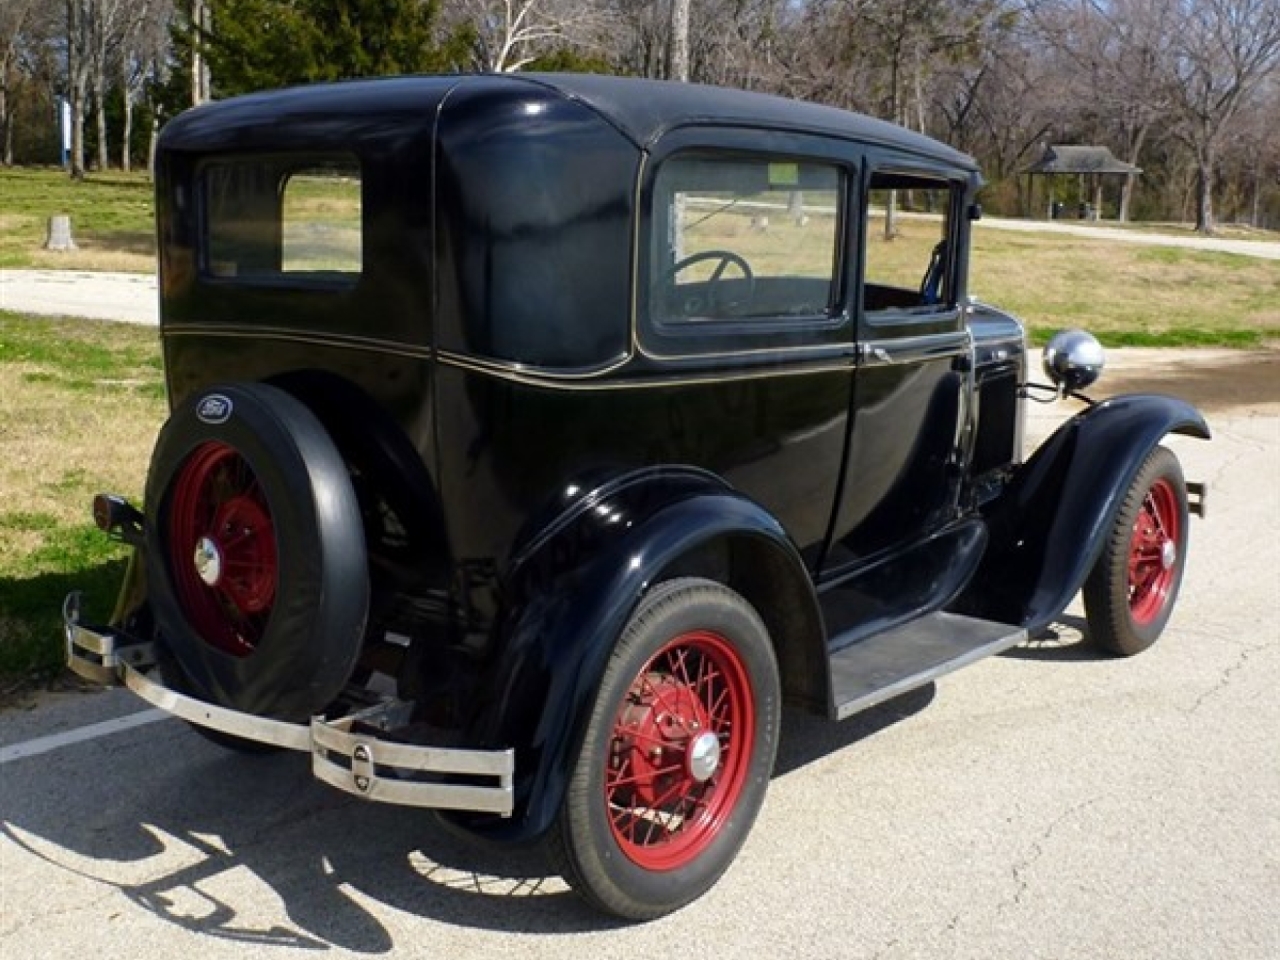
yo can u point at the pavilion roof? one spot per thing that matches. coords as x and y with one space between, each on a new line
1063 158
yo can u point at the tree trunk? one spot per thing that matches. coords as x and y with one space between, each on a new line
200 81
77 137
77 82
1204 189
126 136
896 111
680 40
6 124
1126 197
1255 211
152 140
1131 179
100 118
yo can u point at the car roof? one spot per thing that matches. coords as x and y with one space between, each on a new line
645 109
642 110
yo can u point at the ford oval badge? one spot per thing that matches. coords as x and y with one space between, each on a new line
214 409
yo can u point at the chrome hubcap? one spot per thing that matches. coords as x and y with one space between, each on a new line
704 756
1168 554
208 561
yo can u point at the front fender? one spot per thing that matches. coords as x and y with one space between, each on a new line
1048 526
566 600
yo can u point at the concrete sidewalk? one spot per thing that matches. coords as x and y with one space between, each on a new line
128 297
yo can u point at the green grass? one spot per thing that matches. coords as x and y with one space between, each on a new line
1128 295
112 219
80 404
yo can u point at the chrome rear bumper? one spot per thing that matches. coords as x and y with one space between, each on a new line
345 752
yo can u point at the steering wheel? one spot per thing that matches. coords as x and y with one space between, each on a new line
724 258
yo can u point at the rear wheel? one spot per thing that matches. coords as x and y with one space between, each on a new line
1134 584
255 553
677 754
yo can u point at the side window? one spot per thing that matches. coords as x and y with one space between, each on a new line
907 260
736 238
320 218
296 222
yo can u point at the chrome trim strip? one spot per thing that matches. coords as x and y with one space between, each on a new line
835 361
259 332
355 761
929 346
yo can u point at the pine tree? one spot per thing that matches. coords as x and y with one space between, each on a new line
263 44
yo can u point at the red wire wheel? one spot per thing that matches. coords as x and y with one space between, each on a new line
1154 551
1130 593
681 742
222 548
677 754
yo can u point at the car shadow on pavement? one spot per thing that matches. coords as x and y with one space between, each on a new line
1065 640
250 848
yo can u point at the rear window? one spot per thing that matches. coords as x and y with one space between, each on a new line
283 221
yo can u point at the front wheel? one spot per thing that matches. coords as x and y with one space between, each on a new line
1134 583
677 753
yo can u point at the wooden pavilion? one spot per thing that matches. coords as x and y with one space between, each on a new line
1092 165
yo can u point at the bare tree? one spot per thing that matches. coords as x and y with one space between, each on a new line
1002 106
1115 62
510 34
109 21
1224 50
143 57
729 42
15 16
80 14
1250 158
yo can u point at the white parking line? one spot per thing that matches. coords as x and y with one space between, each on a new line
56 741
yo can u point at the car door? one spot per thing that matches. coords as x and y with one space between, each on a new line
900 482
744 301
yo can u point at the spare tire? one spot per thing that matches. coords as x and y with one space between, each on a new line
256 562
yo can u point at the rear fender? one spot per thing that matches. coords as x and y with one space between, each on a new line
1048 526
570 591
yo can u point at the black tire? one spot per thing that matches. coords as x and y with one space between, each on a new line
244 477
644 831
1133 586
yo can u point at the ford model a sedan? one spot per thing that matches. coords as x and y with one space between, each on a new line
534 440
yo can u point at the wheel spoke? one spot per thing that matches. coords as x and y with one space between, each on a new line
636 778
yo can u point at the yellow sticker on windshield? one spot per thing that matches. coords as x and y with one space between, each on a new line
784 174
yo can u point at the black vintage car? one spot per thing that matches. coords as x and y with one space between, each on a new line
534 439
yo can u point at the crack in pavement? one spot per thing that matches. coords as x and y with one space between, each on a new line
1226 674
1020 868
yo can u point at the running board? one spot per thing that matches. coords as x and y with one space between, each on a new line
887 664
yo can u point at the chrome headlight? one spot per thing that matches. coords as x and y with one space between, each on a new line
1073 359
